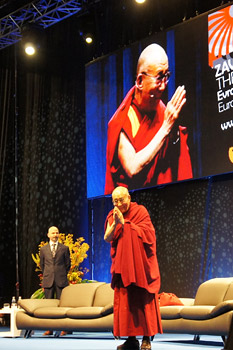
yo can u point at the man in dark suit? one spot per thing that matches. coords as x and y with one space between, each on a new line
55 264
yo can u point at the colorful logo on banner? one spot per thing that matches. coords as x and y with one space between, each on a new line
220 45
220 42
220 31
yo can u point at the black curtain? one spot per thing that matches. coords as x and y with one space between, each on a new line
43 165
7 177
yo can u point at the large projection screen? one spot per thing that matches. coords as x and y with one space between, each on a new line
200 53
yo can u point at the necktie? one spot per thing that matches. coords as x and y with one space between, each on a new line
53 250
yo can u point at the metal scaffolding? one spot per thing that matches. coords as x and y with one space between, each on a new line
43 13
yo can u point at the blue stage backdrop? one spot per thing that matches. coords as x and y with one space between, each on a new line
193 223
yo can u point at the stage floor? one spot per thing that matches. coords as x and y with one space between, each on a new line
105 341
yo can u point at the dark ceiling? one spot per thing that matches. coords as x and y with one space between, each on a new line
116 23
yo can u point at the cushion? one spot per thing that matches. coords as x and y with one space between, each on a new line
187 301
85 312
30 305
79 295
51 312
212 292
170 312
166 299
201 312
104 295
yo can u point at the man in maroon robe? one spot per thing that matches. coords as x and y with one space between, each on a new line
145 147
135 271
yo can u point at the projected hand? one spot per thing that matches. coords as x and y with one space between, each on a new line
174 106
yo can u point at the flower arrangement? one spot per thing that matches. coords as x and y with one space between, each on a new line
78 252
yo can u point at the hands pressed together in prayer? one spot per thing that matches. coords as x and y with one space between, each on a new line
118 216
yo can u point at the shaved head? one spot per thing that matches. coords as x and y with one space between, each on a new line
120 190
152 63
53 229
151 56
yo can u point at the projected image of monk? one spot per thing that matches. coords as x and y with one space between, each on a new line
146 146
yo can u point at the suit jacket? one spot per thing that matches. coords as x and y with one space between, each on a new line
55 269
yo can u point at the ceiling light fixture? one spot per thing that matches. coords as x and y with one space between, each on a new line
30 49
32 37
88 38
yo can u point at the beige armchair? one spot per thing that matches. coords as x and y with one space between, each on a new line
209 313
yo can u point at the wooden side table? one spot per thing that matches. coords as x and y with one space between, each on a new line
14 331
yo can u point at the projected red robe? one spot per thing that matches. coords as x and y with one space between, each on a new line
135 274
171 163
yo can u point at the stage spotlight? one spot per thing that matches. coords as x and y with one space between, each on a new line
140 1
32 37
30 49
88 38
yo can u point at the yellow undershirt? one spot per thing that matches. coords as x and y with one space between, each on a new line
133 120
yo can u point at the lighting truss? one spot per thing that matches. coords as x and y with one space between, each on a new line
44 13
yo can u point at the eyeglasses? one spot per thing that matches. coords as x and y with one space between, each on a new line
160 77
118 200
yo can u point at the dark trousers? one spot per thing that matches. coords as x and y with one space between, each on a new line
53 292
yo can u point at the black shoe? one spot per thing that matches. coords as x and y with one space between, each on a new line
130 343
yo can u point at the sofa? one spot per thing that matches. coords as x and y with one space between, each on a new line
89 307
209 313
82 307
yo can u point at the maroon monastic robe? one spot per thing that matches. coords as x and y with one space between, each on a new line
171 163
135 274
